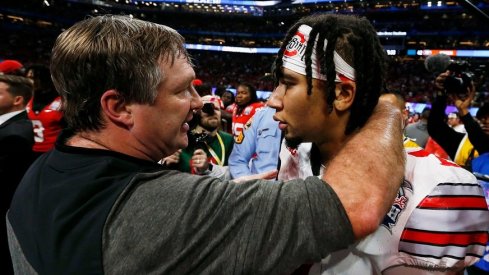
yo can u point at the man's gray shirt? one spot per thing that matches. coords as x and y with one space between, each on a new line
169 222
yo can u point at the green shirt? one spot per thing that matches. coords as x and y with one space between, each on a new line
214 148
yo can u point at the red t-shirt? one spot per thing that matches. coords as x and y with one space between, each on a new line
240 120
46 125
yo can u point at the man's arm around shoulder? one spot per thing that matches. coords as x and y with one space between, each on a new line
367 173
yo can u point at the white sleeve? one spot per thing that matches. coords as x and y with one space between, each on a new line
221 172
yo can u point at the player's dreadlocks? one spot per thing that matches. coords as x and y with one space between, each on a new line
356 41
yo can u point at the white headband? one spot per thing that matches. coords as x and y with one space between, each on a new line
293 58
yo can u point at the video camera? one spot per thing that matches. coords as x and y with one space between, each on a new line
197 140
460 78
208 108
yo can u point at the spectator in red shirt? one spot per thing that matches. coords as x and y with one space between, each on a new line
247 103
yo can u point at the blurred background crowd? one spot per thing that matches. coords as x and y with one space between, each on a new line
233 44
30 27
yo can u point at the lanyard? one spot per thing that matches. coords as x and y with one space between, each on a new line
220 161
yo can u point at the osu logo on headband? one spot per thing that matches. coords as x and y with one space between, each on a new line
295 45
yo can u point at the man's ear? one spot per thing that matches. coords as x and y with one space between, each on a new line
19 101
345 94
115 108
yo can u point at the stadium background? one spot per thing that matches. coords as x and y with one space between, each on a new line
234 41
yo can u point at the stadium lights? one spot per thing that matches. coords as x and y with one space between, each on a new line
393 33
224 2
458 53
300 2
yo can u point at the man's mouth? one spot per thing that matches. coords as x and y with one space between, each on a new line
282 125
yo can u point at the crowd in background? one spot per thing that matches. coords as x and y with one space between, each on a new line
406 76
228 83
244 74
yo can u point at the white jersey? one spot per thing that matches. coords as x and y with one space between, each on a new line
438 221
295 163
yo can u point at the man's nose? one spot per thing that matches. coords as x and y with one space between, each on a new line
275 100
196 102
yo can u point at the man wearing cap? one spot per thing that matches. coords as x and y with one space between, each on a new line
209 147
418 233
12 67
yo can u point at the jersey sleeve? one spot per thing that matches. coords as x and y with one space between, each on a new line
448 229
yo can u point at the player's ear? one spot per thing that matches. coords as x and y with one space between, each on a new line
345 94
116 109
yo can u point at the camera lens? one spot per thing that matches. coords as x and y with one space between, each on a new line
208 108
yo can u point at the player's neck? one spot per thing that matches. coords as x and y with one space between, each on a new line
329 149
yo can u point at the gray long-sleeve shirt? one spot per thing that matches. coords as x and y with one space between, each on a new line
169 222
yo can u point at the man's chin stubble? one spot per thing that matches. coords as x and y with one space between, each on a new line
293 142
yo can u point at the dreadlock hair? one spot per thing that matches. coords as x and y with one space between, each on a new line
356 41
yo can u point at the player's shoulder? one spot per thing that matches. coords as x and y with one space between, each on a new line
420 163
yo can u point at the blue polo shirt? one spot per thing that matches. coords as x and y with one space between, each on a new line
259 150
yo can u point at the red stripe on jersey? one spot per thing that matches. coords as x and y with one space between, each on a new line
458 202
444 238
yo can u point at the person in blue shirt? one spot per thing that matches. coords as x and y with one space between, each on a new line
259 150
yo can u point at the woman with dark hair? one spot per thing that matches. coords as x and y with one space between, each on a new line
44 110
247 104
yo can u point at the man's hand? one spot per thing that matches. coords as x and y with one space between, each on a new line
463 104
199 161
440 80
172 159
270 175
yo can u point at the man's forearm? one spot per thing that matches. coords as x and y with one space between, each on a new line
367 173
439 130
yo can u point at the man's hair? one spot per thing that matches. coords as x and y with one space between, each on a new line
356 41
229 92
110 52
482 112
425 114
18 86
457 115
204 89
43 75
